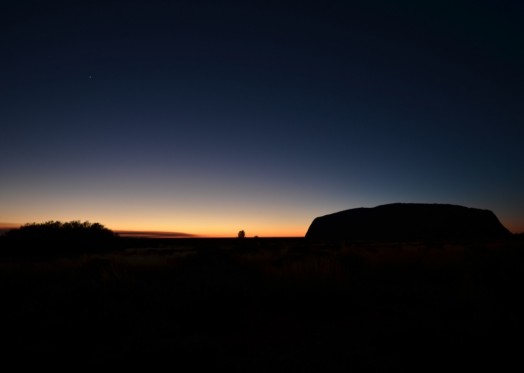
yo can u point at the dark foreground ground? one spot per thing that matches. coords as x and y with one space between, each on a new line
267 305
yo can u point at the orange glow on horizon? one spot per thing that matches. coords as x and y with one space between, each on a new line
150 231
157 234
204 229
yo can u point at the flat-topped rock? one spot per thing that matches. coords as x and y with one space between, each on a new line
409 222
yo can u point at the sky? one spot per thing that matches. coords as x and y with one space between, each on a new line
213 117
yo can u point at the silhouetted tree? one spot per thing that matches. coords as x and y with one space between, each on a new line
55 230
241 234
55 237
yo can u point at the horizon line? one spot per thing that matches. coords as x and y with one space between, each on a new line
4 227
165 234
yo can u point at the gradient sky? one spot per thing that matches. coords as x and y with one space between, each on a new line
211 117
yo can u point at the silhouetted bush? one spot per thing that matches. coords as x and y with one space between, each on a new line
55 237
58 230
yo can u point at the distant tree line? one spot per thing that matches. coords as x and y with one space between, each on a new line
62 231
55 237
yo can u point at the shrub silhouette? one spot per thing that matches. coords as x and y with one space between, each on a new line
59 238
241 234
55 230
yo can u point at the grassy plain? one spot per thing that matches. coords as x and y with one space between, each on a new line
268 305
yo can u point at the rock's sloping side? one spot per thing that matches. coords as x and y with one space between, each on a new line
408 222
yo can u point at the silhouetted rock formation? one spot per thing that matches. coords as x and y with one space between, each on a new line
409 222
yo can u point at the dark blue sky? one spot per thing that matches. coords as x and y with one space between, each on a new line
210 117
